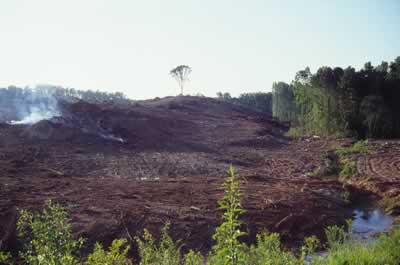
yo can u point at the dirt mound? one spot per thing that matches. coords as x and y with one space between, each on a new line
3 125
43 130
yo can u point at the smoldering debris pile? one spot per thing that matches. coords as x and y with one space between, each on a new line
28 106
83 126
45 114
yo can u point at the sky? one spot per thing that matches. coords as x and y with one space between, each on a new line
232 46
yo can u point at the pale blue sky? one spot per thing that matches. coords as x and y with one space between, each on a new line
236 46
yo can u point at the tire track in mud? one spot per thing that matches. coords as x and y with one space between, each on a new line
384 165
379 173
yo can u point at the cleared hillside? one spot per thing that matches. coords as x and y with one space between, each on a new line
119 169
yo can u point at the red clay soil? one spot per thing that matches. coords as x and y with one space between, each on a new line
379 172
119 169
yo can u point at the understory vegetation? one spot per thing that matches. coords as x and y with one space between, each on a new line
347 159
342 162
47 239
342 102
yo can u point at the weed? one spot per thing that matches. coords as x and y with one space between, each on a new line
311 244
116 255
348 169
360 147
166 252
386 250
346 158
5 258
194 258
228 249
268 251
335 236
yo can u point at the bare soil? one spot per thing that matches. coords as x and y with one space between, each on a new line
119 169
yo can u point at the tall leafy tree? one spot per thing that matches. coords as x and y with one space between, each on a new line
336 101
283 102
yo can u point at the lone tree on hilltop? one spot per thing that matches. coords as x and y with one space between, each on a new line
181 74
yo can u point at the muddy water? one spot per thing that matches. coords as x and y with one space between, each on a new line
369 220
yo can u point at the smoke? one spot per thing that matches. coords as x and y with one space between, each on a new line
36 114
42 103
36 105
112 138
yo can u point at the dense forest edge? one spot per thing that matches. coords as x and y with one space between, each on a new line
342 102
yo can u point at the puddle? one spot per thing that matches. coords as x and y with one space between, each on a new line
369 222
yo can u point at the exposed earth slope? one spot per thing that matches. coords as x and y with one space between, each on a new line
119 169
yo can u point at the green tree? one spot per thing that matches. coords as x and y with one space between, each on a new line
283 102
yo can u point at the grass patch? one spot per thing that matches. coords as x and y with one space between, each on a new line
360 147
341 162
348 169
347 158
385 250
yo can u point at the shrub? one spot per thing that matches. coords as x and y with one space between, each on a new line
268 251
5 258
47 236
311 244
116 255
385 251
166 252
335 236
194 258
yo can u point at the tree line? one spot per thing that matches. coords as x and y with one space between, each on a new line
342 102
15 94
258 101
